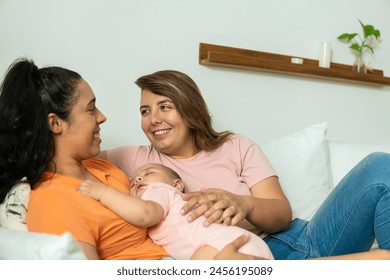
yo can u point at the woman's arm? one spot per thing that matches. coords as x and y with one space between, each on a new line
268 208
133 209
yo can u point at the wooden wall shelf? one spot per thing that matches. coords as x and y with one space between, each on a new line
214 55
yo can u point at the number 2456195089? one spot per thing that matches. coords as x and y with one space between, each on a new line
241 270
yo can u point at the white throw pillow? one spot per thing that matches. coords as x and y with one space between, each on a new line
13 210
301 161
20 245
345 155
16 243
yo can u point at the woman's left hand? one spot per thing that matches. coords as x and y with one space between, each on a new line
230 251
217 205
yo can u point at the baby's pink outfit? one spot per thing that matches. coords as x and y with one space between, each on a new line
181 238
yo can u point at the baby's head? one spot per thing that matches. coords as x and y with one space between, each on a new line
153 173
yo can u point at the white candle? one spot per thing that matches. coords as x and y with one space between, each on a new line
325 55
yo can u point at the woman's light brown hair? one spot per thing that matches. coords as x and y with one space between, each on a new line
189 103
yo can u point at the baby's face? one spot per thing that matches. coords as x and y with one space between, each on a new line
149 173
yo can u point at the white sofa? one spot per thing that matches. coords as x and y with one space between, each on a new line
307 163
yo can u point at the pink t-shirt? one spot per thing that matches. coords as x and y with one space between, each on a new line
235 167
181 238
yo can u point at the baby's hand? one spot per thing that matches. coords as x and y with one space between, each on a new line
92 189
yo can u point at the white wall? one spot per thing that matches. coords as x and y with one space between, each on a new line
111 43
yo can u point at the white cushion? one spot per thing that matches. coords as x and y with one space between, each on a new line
22 245
16 243
301 161
345 155
13 210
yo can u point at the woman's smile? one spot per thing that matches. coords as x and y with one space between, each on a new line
161 132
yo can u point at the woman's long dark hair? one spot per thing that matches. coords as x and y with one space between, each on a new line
27 96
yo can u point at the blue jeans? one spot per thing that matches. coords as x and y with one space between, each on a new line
355 214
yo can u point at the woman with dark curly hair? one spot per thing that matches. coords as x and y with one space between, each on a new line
49 133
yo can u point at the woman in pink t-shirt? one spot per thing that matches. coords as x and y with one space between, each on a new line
230 181
175 118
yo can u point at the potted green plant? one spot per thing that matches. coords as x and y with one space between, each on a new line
360 44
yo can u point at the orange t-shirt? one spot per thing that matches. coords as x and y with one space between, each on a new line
56 206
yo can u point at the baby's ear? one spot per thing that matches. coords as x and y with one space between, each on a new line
179 184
